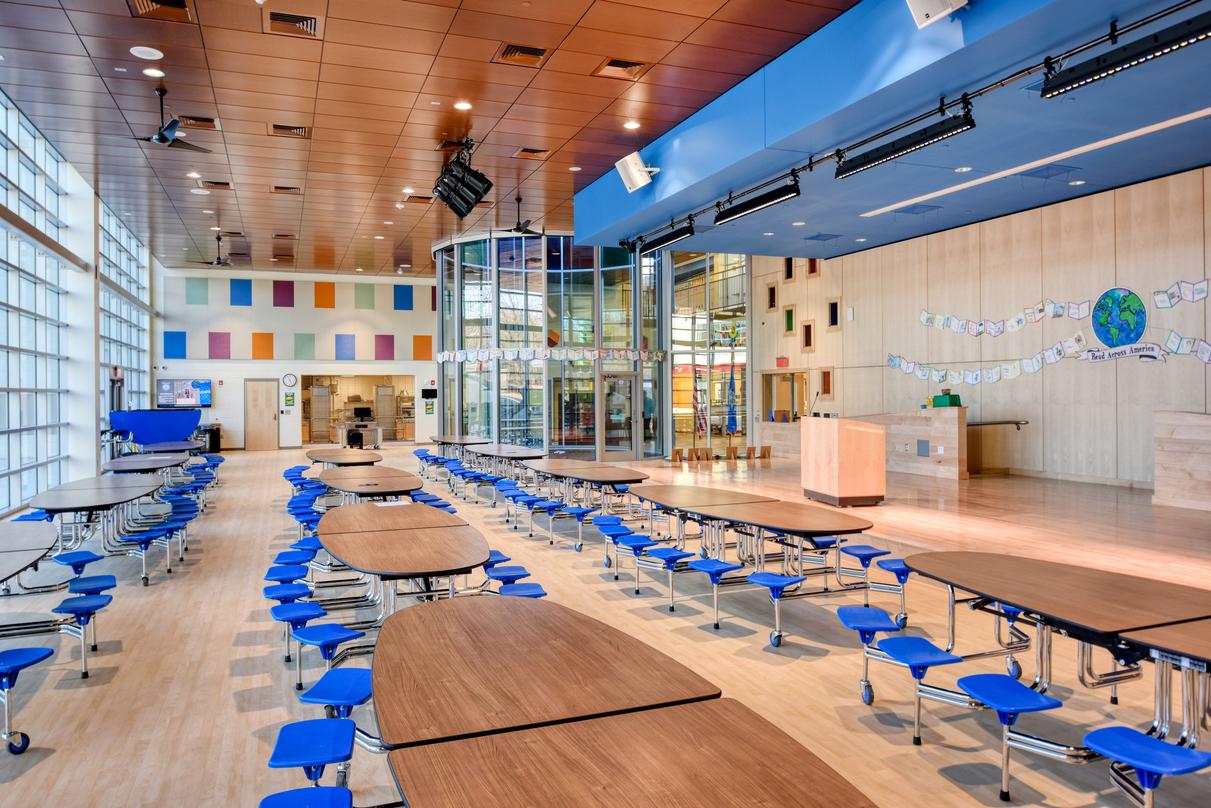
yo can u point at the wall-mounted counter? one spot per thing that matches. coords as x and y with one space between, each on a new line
932 441
1182 456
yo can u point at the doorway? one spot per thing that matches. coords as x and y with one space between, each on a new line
618 430
260 414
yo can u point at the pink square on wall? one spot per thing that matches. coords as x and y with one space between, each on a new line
220 345
283 294
384 346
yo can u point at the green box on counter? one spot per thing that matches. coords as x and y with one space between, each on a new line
951 400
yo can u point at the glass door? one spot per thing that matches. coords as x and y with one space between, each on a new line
618 430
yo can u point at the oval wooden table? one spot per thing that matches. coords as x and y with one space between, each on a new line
370 481
139 463
344 457
97 493
488 664
23 544
455 440
173 446
685 497
368 517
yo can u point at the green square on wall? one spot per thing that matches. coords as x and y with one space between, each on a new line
304 346
363 296
197 291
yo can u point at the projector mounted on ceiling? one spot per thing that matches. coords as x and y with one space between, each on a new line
634 173
925 12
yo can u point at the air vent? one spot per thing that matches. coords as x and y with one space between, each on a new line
917 210
527 153
419 200
285 236
450 145
822 237
524 55
279 22
621 69
195 122
282 130
215 185
287 189
232 233
168 10
1050 172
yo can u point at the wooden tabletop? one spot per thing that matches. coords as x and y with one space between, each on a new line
554 465
412 553
1097 601
681 497
14 562
486 664
507 451
344 457
797 518
587 472
709 754
173 446
16 537
391 482
454 440
109 482
65 499
365 517
144 462
1191 640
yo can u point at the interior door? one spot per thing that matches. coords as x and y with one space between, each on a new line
618 431
260 414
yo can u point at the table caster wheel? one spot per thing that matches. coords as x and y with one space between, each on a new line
329 711
702 552
20 745
775 639
606 563
901 619
342 778
1013 667
579 547
145 580
867 693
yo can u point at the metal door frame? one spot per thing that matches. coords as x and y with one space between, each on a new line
636 423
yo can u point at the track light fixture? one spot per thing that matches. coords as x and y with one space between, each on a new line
672 237
1175 37
460 186
731 211
895 149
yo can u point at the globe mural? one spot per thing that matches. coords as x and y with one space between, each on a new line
1119 317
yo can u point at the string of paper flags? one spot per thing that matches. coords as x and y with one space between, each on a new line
529 354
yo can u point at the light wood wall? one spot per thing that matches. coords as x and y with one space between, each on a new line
1087 421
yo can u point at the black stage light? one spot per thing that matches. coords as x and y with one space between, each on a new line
461 187
756 203
669 238
1175 37
947 127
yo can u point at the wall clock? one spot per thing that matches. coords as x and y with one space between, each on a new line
290 380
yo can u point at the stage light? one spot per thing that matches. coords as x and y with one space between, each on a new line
460 186
669 238
758 202
893 150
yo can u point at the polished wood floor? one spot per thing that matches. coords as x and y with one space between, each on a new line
189 688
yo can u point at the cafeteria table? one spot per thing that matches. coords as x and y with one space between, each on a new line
502 456
457 443
172 446
23 545
359 482
706 754
141 463
796 521
1187 647
486 664
587 473
679 500
344 457
96 493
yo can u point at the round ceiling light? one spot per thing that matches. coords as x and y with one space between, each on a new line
407 189
153 72
631 125
359 269
573 168
962 169
199 191
144 52
378 238
463 105
798 224
1077 183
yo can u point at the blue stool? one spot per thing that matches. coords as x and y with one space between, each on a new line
507 574
715 569
612 533
898 568
91 585
324 636
311 745
294 557
143 541
286 573
12 662
340 690
295 615
1151 758
637 544
670 557
495 557
776 584
1010 698
286 593
527 590
579 513
548 507
77 560
918 655
83 610
308 543
865 554
867 621
313 797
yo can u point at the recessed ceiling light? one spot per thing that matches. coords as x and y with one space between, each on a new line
386 221
573 168
767 233
631 125
193 175
860 240
962 169
1076 183
407 189
153 72
199 191
378 238
273 259
798 224
119 70
399 205
405 266
435 103
216 228
463 105
144 52
208 211
359 269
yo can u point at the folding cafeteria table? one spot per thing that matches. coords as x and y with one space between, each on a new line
142 463
457 443
344 457
370 481
172 446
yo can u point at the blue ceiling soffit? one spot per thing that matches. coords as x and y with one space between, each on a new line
870 69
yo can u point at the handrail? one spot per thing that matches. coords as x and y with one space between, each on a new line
1017 425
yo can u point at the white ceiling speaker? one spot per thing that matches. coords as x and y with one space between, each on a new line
635 174
926 12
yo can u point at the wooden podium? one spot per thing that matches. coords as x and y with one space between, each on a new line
843 462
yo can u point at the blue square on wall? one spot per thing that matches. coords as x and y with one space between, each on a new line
241 292
403 298
345 347
174 344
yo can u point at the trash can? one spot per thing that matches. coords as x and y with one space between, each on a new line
213 438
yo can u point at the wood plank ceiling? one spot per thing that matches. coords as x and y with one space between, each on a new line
376 89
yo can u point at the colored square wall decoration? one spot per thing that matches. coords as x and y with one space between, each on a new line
346 347
384 347
197 291
325 295
304 346
174 345
262 344
241 292
220 344
422 348
363 296
283 294
433 298
403 298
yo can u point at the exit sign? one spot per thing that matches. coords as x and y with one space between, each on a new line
781 362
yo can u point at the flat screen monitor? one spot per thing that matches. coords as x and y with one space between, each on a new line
428 392
363 413
183 393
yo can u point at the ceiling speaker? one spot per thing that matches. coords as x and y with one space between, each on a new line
926 12
634 173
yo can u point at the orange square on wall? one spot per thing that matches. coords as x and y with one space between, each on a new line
422 348
262 345
325 295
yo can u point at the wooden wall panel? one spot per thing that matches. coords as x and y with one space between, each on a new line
954 288
862 285
863 388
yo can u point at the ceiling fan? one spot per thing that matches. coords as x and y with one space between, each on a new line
167 135
522 228
219 260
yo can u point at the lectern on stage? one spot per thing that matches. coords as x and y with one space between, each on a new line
843 462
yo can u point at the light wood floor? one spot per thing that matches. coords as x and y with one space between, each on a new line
189 688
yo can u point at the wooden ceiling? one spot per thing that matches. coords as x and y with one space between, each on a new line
376 88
